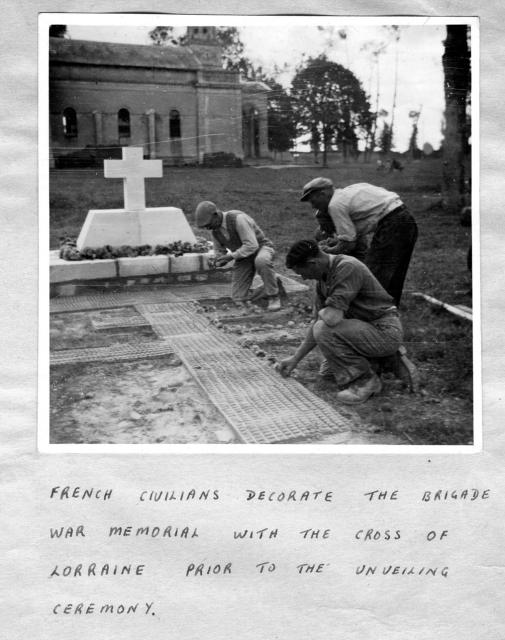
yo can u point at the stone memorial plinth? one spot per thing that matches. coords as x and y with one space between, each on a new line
157 225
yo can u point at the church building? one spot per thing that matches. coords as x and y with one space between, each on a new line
176 101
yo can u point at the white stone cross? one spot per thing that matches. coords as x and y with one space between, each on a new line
133 169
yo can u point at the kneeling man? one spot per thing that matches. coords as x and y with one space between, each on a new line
355 320
249 247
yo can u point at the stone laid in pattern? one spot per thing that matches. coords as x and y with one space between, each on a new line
187 263
68 271
142 266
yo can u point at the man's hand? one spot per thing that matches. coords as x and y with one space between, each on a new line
320 235
222 260
286 366
327 248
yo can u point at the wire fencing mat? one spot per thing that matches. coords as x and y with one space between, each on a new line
259 404
105 324
169 293
109 300
172 319
115 353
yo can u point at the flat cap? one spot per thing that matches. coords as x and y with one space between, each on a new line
204 212
315 185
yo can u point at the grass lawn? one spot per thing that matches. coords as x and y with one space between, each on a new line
441 344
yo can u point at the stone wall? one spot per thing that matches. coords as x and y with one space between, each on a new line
210 102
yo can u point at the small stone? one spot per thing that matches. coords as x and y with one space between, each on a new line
291 323
134 415
223 435
260 354
386 406
89 395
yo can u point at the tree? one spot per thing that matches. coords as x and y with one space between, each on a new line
329 98
162 36
281 119
414 150
394 31
228 38
386 139
375 48
58 31
457 78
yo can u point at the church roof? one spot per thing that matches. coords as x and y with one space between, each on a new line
123 55
255 86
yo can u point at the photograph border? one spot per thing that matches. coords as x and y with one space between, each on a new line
45 19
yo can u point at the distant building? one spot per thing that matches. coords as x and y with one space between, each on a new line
176 101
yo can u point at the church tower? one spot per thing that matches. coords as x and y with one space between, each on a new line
205 45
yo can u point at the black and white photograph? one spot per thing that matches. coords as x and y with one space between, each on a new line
261 231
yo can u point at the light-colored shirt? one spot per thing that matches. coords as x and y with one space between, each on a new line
357 209
245 226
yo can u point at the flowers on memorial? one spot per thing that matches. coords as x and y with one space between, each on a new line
69 251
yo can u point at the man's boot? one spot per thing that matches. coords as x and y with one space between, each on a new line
274 303
360 390
402 368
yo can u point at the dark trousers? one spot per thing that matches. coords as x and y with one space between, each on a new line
388 256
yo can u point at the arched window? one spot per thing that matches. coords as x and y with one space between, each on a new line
70 122
123 123
175 124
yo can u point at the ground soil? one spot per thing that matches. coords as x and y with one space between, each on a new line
144 401
157 400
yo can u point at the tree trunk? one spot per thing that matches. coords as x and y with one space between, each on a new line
456 63
326 145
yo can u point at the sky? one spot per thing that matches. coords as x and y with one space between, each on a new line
286 41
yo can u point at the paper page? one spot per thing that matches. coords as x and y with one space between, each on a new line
233 542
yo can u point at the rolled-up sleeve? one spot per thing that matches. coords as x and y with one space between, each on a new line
245 231
339 210
343 290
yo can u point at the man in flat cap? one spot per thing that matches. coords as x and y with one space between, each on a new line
368 222
236 236
355 321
